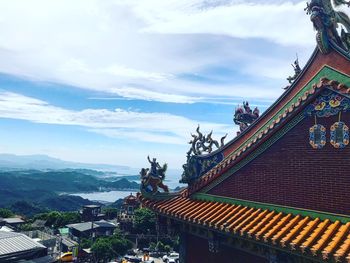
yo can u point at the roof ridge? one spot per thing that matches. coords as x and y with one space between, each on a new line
289 110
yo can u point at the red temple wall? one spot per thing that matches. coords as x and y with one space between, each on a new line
292 173
198 252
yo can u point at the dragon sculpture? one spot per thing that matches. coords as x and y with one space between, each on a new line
244 116
201 156
326 20
201 144
153 178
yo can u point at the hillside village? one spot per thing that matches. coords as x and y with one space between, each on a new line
80 236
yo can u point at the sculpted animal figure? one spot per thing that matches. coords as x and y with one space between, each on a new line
244 116
148 179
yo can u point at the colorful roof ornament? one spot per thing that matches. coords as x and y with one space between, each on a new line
297 71
201 157
244 116
152 179
212 202
326 21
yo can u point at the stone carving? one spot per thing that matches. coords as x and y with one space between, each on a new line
244 116
326 20
153 178
201 144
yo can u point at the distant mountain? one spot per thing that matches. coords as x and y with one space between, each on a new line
59 181
44 162
26 190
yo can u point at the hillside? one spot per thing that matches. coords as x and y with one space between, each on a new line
48 189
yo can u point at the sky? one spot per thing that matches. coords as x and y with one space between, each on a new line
113 81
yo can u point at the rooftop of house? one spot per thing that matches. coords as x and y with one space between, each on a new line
13 220
11 242
86 226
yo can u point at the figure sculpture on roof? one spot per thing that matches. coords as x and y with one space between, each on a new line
297 71
153 178
326 20
244 116
154 166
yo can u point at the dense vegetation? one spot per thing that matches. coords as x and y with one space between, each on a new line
107 248
30 192
5 213
145 221
57 219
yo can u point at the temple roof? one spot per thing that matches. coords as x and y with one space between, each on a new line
312 234
327 72
321 236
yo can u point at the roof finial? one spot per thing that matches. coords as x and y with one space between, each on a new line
326 20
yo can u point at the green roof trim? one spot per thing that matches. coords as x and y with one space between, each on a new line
325 72
272 207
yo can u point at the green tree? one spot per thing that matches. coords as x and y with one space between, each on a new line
120 245
110 212
27 227
52 218
69 218
145 221
102 250
5 213
59 219
86 243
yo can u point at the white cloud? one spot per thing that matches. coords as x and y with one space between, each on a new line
139 49
121 71
149 127
243 19
142 94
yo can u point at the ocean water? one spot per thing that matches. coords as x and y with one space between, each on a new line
171 180
110 196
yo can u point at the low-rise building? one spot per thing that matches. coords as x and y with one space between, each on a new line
91 213
87 229
17 246
14 222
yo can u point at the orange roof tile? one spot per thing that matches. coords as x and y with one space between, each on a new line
317 237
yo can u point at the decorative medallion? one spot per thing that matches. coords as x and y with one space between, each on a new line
339 135
317 137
